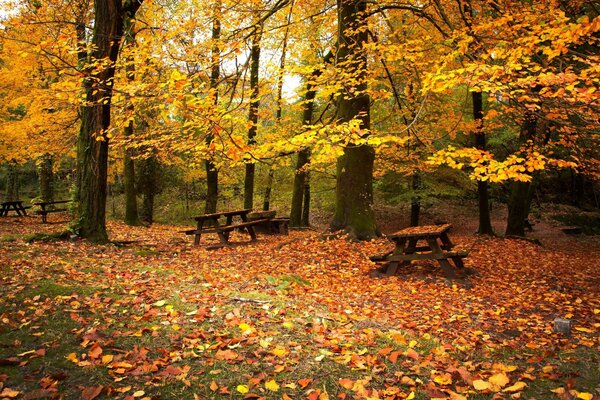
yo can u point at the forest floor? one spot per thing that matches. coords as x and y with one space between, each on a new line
149 316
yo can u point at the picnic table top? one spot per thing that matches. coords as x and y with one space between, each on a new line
222 214
420 231
11 203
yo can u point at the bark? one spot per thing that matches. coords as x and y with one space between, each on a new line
212 173
93 142
354 191
131 209
415 205
306 205
300 179
46 177
485 222
268 188
252 116
148 187
12 183
519 200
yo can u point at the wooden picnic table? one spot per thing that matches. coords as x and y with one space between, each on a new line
15 206
427 242
210 223
46 207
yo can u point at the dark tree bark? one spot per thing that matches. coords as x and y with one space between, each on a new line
485 222
268 188
306 204
131 208
93 142
148 186
520 195
12 182
212 173
415 204
354 191
300 179
46 177
252 116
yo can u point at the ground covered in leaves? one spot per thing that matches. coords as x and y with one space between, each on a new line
300 316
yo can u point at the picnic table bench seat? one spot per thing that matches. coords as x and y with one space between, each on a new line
44 210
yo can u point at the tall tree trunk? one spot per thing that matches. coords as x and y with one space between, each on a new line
212 173
148 187
12 182
93 141
354 190
131 209
306 205
300 178
253 115
519 200
268 188
415 204
485 222
46 177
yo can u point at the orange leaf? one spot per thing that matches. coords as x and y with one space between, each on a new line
304 382
214 386
346 383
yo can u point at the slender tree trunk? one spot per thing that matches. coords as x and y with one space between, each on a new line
12 182
415 204
306 205
93 141
131 208
354 190
148 187
485 222
252 116
519 200
268 188
46 177
212 173
300 179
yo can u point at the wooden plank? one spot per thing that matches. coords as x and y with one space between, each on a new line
424 231
427 256
222 214
228 228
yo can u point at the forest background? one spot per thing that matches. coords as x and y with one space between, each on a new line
188 107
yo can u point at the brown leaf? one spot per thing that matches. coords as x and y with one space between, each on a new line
91 392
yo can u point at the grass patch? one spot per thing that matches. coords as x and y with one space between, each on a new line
589 222
46 237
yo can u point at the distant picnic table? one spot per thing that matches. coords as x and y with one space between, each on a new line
210 223
409 246
47 207
14 206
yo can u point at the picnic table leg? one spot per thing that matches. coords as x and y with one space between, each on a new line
198 233
392 266
446 242
444 263
223 238
251 232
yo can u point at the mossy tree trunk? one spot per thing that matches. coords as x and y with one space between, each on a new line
253 115
485 221
300 178
520 193
212 173
354 191
93 142
131 207
46 177
306 201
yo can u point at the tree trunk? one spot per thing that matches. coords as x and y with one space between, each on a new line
46 176
485 222
306 205
131 209
92 146
252 116
298 189
12 183
354 191
212 173
268 188
519 200
415 204
148 187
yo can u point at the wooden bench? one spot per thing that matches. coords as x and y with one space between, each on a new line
44 210
13 206
209 223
